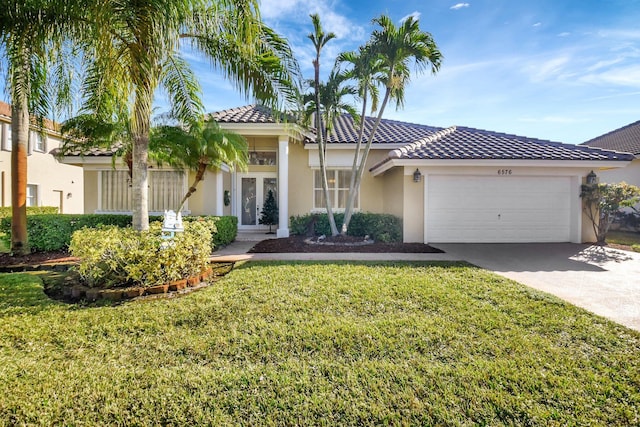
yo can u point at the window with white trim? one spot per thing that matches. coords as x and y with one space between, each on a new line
37 141
166 189
338 182
6 137
32 195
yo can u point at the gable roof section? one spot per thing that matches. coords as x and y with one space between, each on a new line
627 138
345 131
462 143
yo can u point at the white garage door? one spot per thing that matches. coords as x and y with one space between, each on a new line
501 209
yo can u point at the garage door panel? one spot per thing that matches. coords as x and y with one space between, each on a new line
498 209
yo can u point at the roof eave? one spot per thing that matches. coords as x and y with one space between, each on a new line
390 163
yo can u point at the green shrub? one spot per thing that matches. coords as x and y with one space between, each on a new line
224 231
5 211
53 232
380 227
111 256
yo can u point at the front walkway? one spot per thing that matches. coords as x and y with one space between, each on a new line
602 280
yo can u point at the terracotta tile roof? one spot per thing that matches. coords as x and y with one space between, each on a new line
246 114
627 139
457 143
427 142
71 150
5 110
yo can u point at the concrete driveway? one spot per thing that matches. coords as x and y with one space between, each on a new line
602 280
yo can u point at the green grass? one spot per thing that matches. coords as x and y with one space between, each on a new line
624 238
318 344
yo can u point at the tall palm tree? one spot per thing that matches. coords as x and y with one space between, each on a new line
366 68
319 39
31 34
199 149
135 48
396 48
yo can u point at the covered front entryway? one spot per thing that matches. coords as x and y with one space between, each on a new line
497 209
253 189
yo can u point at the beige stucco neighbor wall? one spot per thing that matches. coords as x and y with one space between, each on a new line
57 184
629 174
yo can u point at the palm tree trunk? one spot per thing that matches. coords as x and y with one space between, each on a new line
202 168
325 187
348 210
322 147
19 149
365 155
140 156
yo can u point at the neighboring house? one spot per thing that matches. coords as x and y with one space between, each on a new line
49 182
625 139
448 185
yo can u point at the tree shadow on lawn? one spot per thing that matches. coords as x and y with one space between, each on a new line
23 292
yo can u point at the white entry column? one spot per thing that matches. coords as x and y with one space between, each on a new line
283 186
219 193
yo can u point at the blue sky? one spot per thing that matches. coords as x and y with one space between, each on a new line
561 70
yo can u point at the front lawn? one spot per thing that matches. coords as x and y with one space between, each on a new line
318 344
625 238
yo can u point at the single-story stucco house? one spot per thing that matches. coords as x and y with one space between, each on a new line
626 139
448 185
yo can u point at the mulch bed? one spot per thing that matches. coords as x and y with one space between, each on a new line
297 244
36 258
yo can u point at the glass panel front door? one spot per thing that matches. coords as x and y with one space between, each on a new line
254 189
249 206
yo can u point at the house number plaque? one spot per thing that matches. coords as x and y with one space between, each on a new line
505 171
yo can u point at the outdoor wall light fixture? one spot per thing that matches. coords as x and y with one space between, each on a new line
417 176
592 178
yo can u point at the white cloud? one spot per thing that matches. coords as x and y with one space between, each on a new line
550 69
298 11
415 15
537 24
622 76
564 34
459 6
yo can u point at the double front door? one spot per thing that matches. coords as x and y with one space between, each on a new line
253 191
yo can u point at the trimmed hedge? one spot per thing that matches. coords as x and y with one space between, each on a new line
5 211
53 232
380 227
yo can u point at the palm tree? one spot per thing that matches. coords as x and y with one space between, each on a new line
202 148
395 48
366 69
134 50
31 35
319 39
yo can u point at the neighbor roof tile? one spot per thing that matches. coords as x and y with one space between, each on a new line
627 138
